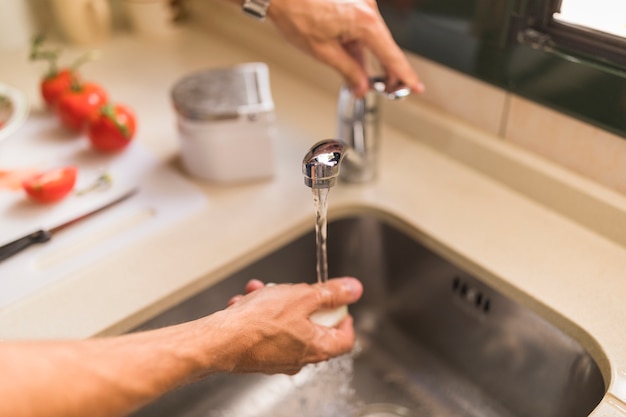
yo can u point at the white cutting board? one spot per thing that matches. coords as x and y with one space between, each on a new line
164 197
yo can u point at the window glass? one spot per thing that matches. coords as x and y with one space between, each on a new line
603 15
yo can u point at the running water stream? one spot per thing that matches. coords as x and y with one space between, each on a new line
320 196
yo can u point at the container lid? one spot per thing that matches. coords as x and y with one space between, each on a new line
224 93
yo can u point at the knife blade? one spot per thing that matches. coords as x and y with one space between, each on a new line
42 236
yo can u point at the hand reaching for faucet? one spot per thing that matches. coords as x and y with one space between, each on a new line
338 32
279 337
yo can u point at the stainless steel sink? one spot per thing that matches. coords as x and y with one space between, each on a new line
433 340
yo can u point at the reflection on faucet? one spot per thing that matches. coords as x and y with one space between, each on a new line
358 137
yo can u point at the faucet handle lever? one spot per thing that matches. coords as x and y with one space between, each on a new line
380 85
358 129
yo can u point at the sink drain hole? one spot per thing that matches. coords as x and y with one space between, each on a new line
471 294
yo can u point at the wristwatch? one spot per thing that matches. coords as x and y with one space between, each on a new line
256 8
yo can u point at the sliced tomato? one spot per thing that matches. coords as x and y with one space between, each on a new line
76 106
12 179
51 186
112 128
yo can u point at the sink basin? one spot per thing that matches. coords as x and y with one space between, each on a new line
433 340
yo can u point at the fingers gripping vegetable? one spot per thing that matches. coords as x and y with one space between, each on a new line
76 106
112 128
51 186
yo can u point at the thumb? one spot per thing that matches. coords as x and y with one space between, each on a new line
339 291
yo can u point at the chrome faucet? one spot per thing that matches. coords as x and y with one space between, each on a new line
320 165
357 136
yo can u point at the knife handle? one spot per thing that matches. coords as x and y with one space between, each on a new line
20 244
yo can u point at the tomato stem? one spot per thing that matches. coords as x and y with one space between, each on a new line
89 56
108 110
49 55
52 56
103 182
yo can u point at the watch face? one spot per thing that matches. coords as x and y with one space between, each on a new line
256 8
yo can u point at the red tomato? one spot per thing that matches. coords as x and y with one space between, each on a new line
56 84
51 186
76 106
112 128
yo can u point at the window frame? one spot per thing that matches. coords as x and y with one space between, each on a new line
578 41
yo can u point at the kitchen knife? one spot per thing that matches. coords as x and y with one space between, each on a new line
42 236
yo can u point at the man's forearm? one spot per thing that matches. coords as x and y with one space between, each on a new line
268 330
102 376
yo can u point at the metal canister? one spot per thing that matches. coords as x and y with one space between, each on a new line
226 123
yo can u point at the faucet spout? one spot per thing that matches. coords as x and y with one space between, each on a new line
321 164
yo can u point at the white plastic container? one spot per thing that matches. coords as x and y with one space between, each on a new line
226 123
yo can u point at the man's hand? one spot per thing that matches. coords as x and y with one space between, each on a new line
337 32
271 329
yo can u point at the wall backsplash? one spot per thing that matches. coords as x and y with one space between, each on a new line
581 147
578 146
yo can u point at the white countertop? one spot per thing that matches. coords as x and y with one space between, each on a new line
565 272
